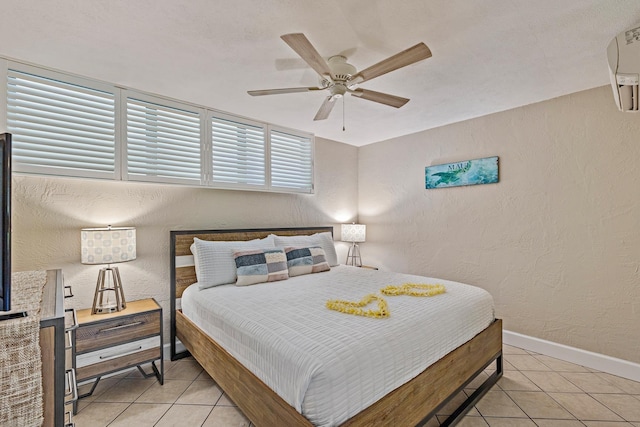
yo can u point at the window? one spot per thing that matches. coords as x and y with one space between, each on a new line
163 143
291 161
237 152
60 128
70 126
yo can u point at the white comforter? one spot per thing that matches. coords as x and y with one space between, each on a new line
330 365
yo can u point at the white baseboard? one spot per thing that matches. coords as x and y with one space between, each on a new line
600 362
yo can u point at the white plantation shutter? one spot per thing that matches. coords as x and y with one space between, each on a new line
73 126
163 143
237 153
60 128
291 161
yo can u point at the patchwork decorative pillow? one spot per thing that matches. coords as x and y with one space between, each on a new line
306 260
214 262
324 240
260 266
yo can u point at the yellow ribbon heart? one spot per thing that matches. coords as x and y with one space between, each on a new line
411 289
351 307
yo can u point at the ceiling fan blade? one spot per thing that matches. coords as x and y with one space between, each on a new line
399 60
382 98
325 108
284 90
303 47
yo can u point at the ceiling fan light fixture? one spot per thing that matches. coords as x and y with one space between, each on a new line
339 77
342 70
338 89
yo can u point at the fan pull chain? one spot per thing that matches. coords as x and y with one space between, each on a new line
343 104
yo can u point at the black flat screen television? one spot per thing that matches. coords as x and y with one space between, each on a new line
5 223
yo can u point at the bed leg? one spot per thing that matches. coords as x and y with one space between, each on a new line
459 413
175 355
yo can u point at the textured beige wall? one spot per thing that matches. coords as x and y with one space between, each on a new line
557 241
48 214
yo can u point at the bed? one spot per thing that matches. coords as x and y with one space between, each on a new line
410 402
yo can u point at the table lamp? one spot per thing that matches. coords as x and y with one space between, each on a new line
354 233
108 246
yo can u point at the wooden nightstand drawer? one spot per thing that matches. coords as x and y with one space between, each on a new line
107 333
118 357
114 352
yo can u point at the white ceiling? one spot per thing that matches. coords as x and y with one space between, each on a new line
488 56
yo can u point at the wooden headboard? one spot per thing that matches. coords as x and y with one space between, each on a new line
183 272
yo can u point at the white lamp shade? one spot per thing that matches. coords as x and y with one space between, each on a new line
354 232
108 245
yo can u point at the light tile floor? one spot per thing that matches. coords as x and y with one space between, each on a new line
536 390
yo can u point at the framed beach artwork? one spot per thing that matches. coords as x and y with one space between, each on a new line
468 172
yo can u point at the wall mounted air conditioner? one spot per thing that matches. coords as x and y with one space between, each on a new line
623 54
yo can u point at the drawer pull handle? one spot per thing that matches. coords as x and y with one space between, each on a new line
115 328
69 336
71 386
70 293
109 356
74 317
68 419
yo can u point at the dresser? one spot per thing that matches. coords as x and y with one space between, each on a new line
58 379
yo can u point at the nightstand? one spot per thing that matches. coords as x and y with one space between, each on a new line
108 343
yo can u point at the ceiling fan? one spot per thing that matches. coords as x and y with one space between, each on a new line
339 77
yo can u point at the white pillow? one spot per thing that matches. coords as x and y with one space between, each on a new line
324 240
214 260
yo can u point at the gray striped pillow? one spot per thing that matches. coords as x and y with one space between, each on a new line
324 240
306 260
260 266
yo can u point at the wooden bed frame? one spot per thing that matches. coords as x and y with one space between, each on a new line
410 404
